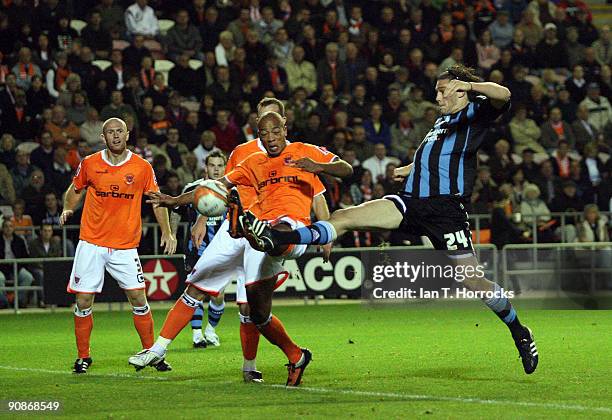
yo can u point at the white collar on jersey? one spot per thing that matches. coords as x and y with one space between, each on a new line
127 157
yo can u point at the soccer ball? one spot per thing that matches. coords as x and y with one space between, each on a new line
210 198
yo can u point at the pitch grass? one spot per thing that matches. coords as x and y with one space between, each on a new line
393 362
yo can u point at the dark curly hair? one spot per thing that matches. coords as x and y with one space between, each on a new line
460 72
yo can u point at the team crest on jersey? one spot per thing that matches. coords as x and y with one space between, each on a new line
129 179
76 280
272 174
288 159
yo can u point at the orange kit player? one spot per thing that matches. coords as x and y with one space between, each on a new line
111 227
284 178
249 334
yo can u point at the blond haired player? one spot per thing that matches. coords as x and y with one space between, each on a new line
115 180
262 272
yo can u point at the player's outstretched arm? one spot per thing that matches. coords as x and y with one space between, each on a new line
159 199
72 199
338 168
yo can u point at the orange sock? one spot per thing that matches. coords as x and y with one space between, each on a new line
82 331
177 318
144 326
275 333
249 338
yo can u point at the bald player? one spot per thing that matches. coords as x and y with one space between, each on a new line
113 182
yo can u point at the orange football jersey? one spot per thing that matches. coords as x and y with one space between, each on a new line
248 194
112 210
281 189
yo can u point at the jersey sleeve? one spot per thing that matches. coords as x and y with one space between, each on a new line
150 180
242 174
318 154
80 179
481 110
231 162
317 187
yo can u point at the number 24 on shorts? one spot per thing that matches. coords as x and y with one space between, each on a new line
457 237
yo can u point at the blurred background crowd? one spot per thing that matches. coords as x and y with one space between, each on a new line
357 77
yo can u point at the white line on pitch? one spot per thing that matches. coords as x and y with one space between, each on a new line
445 398
66 372
117 375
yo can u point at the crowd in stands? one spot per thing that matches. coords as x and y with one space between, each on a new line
357 77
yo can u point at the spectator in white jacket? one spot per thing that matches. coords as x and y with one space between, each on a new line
225 49
140 19
600 110
594 226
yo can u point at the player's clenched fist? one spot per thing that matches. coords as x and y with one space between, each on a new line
66 214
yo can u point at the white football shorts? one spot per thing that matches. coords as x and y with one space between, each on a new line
226 258
91 260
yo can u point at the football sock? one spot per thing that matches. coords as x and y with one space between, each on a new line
249 339
505 311
83 324
196 320
177 318
214 313
143 321
197 335
319 233
275 333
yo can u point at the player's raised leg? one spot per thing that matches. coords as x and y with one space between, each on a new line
373 215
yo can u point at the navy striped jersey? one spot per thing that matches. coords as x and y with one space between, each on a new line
212 224
445 162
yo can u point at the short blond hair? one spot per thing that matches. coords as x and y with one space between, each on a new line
111 119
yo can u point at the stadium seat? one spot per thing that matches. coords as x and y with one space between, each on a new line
120 44
165 25
195 64
101 64
78 25
164 67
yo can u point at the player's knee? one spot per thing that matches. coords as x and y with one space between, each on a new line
244 309
137 297
195 293
259 316
219 299
84 301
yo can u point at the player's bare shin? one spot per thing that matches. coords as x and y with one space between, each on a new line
321 212
378 214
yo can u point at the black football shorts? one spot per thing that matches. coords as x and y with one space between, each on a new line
442 219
